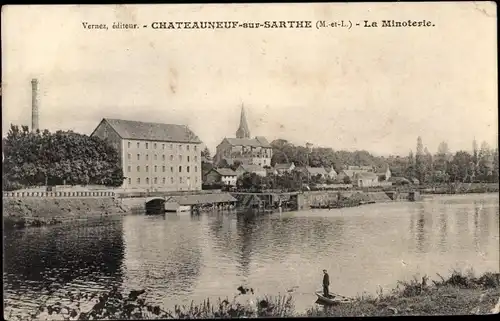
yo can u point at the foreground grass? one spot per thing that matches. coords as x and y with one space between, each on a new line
460 294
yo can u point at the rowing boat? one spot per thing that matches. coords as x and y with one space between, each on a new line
333 299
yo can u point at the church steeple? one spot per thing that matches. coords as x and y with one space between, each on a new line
243 131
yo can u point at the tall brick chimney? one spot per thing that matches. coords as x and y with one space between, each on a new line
34 105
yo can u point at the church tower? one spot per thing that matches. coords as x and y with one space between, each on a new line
243 131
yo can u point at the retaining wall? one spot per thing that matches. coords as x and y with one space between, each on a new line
59 194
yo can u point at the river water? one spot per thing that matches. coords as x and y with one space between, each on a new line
182 258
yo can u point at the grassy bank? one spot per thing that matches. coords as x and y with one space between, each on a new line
464 188
459 294
26 212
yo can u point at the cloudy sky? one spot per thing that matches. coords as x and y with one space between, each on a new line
364 88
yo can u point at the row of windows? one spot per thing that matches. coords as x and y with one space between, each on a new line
129 156
164 180
155 146
129 169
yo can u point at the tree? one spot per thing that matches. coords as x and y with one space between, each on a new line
223 163
205 153
460 169
442 157
420 163
42 158
410 168
346 180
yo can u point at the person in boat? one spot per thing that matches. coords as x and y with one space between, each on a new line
326 284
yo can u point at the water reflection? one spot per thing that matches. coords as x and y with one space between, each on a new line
45 262
179 258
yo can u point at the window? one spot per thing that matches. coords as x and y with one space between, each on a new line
138 168
129 169
138 156
138 145
188 169
147 144
196 169
162 146
171 169
171 157
180 169
188 159
195 148
129 156
180 147
187 147
147 180
196 158
138 180
180 158
155 168
171 180
196 179
147 168
156 156
147 156
129 181
180 180
163 168
164 180
129 143
163 157
156 180
171 146
155 148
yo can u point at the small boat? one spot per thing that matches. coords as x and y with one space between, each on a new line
333 299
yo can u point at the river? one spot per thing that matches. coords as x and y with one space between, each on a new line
183 258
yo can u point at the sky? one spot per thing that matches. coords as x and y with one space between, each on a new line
374 89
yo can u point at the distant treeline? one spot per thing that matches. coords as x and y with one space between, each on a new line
479 166
63 157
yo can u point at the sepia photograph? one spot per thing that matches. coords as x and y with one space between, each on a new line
172 161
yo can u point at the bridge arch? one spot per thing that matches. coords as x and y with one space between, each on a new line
155 205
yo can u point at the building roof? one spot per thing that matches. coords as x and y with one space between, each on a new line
366 175
316 170
352 172
251 168
201 199
225 171
130 129
360 168
243 131
330 170
283 166
251 142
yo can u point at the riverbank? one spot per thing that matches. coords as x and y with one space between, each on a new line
27 212
459 294
464 188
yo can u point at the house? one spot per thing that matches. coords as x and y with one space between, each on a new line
315 171
350 173
365 179
398 180
154 155
361 168
224 176
242 169
243 149
331 173
284 168
271 171
385 176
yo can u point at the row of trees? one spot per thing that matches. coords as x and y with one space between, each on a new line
479 166
63 157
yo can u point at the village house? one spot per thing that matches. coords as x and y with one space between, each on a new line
385 176
284 168
350 173
243 149
365 179
360 168
242 169
331 173
153 155
224 176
